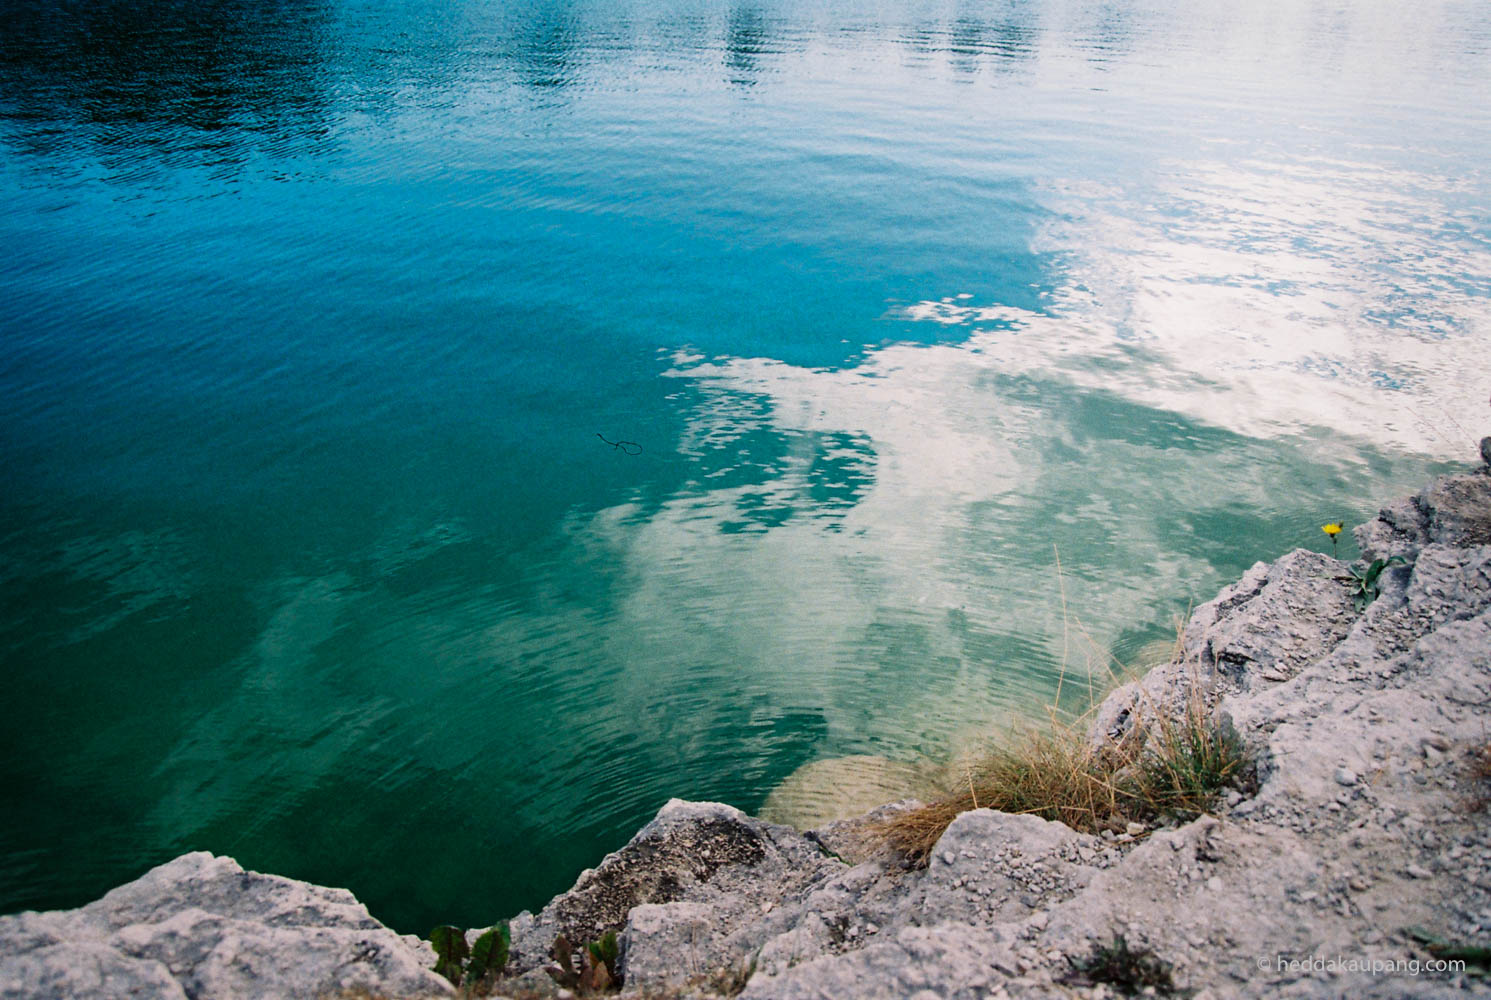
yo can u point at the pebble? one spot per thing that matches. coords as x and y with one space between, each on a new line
1135 829
1345 776
1214 883
1418 871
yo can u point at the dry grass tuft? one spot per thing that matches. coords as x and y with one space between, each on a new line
1176 769
1055 775
1185 763
1478 771
1480 762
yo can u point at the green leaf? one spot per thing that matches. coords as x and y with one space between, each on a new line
606 949
1365 586
1422 936
564 973
605 952
450 948
489 954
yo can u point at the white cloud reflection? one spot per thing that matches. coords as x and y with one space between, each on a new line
1254 337
1275 298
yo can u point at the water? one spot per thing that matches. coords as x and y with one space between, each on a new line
960 347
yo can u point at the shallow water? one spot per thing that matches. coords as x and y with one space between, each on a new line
956 349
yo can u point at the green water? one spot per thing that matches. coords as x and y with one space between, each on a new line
959 351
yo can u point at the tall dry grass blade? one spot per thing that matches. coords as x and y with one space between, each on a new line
1061 583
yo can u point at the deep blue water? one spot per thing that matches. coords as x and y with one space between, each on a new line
958 349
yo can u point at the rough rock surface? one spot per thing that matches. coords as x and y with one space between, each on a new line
1450 512
201 926
695 889
1364 839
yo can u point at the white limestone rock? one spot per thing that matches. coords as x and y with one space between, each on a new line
691 852
201 926
944 962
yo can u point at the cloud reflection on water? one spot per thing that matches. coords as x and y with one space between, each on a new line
1233 347
1282 297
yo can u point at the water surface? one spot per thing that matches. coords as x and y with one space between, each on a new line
959 349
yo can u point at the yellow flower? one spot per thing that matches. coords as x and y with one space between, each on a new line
1332 529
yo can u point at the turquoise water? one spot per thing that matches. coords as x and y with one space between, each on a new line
956 350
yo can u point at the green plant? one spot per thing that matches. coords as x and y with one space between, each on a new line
470 965
605 952
1478 956
489 954
1185 765
1365 586
596 970
1125 968
450 952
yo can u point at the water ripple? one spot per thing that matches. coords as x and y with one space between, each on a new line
963 349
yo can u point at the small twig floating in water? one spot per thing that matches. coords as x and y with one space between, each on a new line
630 447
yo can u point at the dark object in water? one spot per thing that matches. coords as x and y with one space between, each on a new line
630 447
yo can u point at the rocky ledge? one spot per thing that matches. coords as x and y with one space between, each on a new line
1359 864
